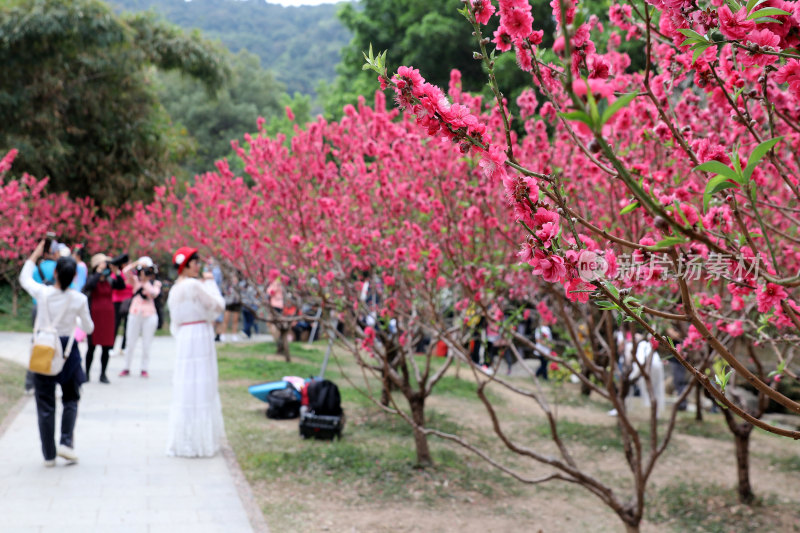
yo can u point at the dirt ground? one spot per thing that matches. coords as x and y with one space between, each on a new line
698 468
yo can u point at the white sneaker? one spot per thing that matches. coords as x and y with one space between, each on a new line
49 463
235 338
67 453
223 337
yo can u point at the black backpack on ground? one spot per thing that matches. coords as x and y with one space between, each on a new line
324 398
283 404
324 418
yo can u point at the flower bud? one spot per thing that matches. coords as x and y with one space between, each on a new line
477 55
729 198
661 224
594 146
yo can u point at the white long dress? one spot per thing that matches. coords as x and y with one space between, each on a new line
195 419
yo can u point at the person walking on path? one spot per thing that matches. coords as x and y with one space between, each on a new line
66 305
195 420
98 289
43 272
142 317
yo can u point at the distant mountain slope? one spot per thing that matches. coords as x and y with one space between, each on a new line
300 44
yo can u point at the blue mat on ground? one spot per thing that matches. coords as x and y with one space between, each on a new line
262 390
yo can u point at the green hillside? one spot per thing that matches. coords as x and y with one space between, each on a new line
300 44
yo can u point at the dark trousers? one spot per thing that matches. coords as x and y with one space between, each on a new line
103 358
121 317
46 410
248 322
541 372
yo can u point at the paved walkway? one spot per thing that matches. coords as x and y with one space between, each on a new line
124 482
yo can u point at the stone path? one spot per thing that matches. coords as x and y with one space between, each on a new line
124 482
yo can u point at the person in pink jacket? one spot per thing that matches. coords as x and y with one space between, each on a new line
142 316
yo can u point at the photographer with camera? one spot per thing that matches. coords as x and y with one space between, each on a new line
122 301
98 288
142 317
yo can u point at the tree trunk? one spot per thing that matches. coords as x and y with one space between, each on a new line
424 458
629 528
282 342
698 402
386 390
586 389
744 490
14 300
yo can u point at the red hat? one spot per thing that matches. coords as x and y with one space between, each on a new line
182 256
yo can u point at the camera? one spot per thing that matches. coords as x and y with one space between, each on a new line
148 271
49 238
120 260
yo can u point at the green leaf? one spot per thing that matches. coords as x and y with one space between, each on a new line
676 209
605 305
752 4
628 208
693 34
758 154
715 185
611 289
737 164
580 116
595 114
766 12
718 168
670 241
699 49
618 104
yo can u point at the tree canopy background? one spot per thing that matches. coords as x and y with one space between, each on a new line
76 97
109 104
300 45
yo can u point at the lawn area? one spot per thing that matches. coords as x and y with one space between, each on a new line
12 382
367 482
20 322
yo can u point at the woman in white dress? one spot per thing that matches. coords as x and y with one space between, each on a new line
195 421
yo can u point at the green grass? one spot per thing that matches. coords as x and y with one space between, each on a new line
465 389
593 436
259 370
12 382
378 424
376 455
786 464
710 509
708 428
20 322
